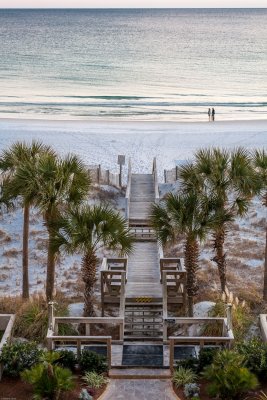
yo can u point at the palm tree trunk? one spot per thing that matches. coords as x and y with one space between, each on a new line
25 253
220 256
265 260
51 262
89 263
191 252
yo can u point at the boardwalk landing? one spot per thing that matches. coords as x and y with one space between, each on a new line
143 277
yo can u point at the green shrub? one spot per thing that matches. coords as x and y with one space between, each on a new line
92 362
241 317
255 353
183 376
17 357
95 380
229 379
206 356
189 363
32 318
47 378
67 359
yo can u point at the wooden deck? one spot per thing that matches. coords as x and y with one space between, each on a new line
141 197
143 276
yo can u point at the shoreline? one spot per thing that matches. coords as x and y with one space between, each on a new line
128 121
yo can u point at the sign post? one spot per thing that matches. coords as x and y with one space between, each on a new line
121 162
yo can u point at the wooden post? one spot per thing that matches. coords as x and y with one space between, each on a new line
171 350
98 173
176 173
51 315
102 293
109 352
78 348
229 316
87 329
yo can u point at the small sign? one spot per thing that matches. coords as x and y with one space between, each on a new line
121 159
170 321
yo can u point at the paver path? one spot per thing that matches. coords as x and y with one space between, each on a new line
139 389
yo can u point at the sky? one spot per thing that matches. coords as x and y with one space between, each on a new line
131 3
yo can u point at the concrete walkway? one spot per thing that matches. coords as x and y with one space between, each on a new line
139 389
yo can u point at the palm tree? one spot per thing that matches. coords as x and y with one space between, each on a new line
187 214
54 184
260 163
228 178
10 160
86 230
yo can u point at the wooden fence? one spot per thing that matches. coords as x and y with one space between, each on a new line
103 176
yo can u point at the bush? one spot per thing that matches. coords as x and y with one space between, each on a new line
189 363
206 356
241 317
92 362
32 318
47 378
182 376
255 353
94 380
191 390
67 359
229 379
17 357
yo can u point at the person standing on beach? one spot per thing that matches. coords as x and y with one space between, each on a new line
213 114
209 113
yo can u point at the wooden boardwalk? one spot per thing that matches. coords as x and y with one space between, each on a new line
143 276
142 196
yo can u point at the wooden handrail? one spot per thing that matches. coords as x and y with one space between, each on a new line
263 326
155 175
128 190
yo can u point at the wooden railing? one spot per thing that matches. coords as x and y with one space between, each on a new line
173 279
6 325
113 279
225 339
128 190
78 341
156 183
263 326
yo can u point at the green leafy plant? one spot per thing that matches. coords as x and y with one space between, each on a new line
189 363
255 353
17 357
67 359
227 376
183 376
92 362
95 380
205 357
32 318
47 378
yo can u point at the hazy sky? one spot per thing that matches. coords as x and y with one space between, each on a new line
130 3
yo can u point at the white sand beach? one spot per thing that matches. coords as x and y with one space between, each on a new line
101 142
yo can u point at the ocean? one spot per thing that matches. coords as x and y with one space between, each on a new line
133 64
